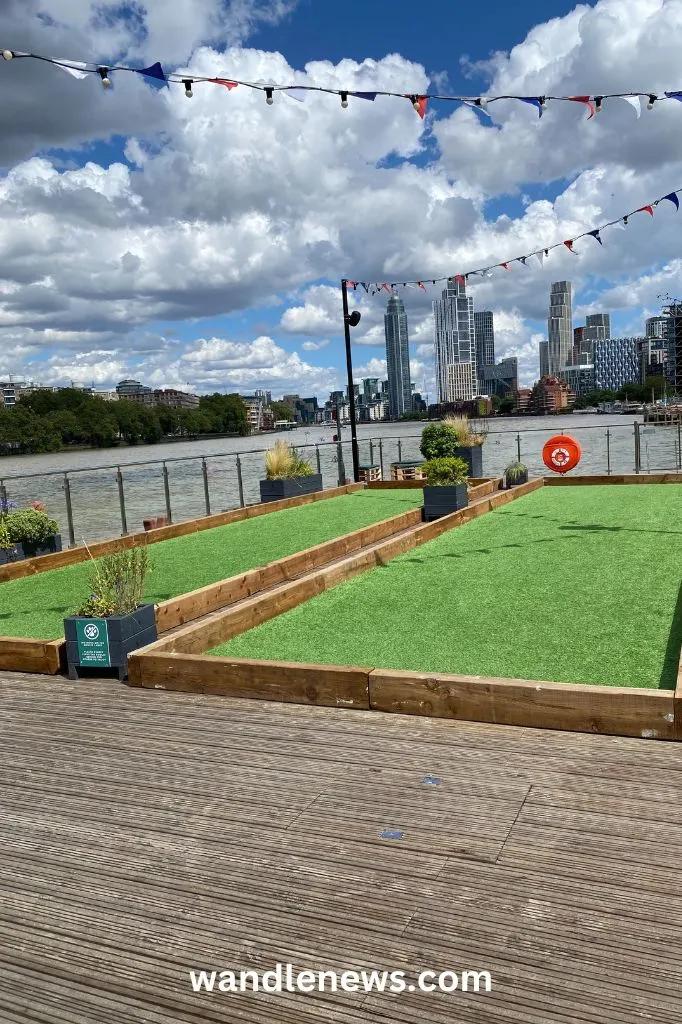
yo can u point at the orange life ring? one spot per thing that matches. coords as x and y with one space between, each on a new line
561 453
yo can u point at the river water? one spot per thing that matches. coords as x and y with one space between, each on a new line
94 487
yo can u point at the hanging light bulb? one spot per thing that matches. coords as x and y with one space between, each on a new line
625 220
481 102
268 95
104 75
344 100
187 82
597 104
652 100
543 102
7 54
415 102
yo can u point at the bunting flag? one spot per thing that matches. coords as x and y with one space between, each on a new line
296 93
419 100
542 253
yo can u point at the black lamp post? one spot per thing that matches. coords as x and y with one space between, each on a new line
351 320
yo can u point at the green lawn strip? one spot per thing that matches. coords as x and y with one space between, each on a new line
36 606
577 585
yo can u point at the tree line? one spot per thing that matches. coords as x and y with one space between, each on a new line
48 421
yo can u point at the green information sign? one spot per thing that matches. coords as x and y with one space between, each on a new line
93 643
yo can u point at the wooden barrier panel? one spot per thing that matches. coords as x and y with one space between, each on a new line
70 556
18 654
323 685
628 478
620 711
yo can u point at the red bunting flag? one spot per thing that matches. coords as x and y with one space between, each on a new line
352 284
225 82
645 209
505 265
386 287
569 245
459 278
419 104
586 100
420 285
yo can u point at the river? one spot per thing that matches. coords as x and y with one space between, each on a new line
93 480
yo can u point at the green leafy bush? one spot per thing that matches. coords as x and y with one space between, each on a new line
445 472
29 526
6 543
439 441
117 584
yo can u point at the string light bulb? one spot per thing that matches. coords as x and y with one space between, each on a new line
7 54
344 100
543 102
597 104
104 75
481 102
625 220
187 82
652 100
415 102
269 99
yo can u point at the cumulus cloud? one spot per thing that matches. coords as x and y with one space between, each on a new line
196 217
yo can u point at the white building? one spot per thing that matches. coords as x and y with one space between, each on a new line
559 328
455 344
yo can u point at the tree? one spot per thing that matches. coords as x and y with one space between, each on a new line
226 413
506 405
282 411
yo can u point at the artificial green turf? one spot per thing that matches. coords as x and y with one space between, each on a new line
568 584
36 606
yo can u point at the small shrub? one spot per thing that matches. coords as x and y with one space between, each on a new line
29 526
439 441
468 438
282 462
6 543
445 472
515 471
116 584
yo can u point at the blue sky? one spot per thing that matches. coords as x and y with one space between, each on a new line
200 242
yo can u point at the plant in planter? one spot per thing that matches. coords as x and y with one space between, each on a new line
515 473
454 439
113 621
9 552
446 489
288 474
32 531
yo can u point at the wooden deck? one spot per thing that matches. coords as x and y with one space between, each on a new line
144 834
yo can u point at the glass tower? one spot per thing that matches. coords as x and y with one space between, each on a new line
559 327
397 358
455 344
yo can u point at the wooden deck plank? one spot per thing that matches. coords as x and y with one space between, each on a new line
144 834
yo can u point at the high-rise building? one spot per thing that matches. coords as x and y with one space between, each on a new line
616 362
455 344
485 342
655 326
580 379
652 352
597 327
544 359
559 327
397 358
500 379
370 388
673 339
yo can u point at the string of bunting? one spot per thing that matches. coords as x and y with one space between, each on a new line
592 103
372 287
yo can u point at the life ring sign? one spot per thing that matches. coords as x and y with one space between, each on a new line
561 453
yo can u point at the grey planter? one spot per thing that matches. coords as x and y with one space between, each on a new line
473 457
276 490
104 644
47 547
441 501
523 479
13 554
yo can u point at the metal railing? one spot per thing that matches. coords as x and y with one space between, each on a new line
96 502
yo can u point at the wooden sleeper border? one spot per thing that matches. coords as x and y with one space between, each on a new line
178 663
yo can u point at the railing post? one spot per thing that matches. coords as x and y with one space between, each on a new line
3 493
608 453
69 511
339 459
317 456
381 457
400 450
240 482
638 449
121 501
518 447
679 444
166 491
371 452
207 496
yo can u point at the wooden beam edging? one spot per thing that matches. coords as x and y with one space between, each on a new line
21 654
573 707
626 478
71 556
288 682
678 701
474 484
223 625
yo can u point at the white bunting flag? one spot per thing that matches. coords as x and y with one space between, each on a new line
76 68
634 102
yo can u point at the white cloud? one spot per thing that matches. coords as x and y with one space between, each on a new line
313 346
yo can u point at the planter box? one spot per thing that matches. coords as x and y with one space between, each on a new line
523 479
441 501
13 554
103 644
276 490
473 457
47 547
